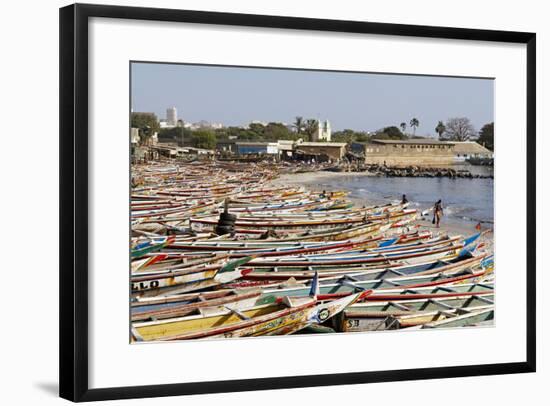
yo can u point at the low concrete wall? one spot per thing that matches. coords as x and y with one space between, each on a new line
409 161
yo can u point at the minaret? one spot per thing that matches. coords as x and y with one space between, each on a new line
327 132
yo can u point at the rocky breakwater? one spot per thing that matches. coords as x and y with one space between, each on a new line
422 172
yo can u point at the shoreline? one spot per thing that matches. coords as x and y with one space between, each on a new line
313 181
303 178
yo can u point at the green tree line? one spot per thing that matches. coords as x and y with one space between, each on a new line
453 129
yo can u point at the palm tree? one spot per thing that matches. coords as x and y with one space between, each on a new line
403 126
311 125
414 123
440 129
299 124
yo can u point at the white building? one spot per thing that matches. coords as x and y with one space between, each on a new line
203 124
171 116
264 123
165 124
323 131
286 147
134 136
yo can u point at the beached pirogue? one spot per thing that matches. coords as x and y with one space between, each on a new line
219 250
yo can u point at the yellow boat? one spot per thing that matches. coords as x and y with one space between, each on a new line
280 317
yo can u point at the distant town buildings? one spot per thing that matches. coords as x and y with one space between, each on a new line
134 136
171 116
203 125
319 148
420 152
405 152
285 149
314 150
246 148
206 124
140 146
323 131
172 121
263 123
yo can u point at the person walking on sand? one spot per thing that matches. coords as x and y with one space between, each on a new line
438 212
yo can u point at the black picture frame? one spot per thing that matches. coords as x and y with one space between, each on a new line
74 201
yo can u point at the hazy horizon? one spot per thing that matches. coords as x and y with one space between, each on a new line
235 96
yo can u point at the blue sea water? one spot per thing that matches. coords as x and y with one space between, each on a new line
464 200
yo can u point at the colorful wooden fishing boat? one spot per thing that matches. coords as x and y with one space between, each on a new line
394 269
471 318
298 261
243 223
189 279
385 315
380 286
265 319
341 283
141 248
408 256
157 311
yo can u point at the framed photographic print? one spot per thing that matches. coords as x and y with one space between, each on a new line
299 202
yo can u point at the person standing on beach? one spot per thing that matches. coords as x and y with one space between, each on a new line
438 212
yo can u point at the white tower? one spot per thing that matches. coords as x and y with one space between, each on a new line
323 131
171 116
327 131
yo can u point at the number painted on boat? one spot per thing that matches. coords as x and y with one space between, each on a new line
145 285
353 323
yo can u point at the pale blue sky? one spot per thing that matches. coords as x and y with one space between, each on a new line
360 101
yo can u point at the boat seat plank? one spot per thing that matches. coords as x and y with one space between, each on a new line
394 283
350 278
399 306
484 299
395 271
446 289
353 285
237 313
